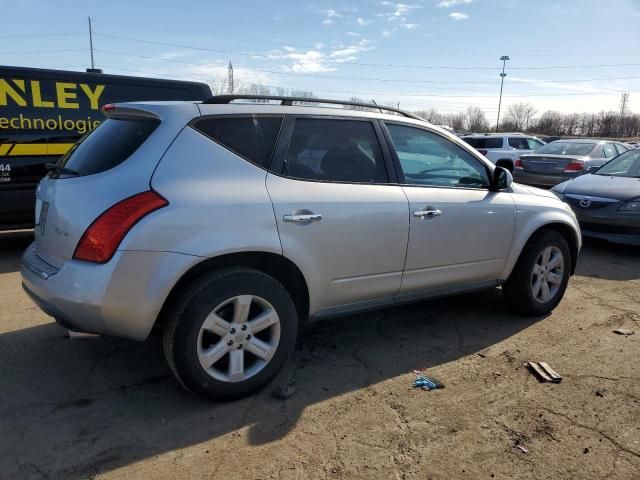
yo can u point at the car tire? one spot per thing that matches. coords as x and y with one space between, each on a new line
539 279
242 321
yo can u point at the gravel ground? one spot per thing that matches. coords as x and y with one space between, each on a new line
105 408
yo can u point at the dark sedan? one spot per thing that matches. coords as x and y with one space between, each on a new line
561 160
607 201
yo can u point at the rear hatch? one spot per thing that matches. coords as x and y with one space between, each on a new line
550 164
114 162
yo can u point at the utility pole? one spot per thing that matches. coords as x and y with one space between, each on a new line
504 59
91 44
230 79
623 109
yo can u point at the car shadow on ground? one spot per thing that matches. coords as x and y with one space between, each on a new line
12 244
609 261
75 408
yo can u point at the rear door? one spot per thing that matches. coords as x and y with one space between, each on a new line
339 216
460 231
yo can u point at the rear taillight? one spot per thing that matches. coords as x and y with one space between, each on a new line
518 164
482 151
573 167
100 240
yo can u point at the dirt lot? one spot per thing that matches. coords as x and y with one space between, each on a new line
106 408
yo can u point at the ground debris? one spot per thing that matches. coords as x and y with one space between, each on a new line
544 372
624 331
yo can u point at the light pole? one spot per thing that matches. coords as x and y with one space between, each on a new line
504 59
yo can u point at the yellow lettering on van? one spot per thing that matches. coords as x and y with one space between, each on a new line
93 96
64 95
7 91
36 94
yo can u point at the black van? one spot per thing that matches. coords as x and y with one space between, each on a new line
44 112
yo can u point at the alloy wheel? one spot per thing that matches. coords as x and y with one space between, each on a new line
238 338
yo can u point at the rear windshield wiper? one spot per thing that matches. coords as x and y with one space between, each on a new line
60 170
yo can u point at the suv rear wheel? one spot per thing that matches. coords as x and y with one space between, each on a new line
540 276
230 333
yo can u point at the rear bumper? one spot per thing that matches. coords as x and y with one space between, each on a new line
122 297
541 179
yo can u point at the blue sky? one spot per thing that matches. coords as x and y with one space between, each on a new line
568 55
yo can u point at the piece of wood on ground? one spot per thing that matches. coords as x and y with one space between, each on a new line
555 377
623 331
539 372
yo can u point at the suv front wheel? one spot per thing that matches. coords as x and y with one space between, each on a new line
230 333
540 276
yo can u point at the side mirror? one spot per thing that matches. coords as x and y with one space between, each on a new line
502 179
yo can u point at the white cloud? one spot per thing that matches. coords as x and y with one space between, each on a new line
386 33
216 74
452 3
329 16
362 22
353 34
398 11
409 26
318 60
457 16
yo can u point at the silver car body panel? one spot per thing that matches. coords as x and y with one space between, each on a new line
356 251
351 258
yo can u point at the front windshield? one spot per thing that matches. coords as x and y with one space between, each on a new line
566 148
625 165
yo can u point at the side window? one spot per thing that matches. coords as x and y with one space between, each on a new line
335 151
250 137
609 151
621 148
519 143
533 143
429 159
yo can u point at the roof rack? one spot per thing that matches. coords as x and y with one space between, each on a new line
224 99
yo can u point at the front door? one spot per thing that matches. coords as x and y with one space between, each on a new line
460 231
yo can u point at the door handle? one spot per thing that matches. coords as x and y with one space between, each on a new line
427 213
302 218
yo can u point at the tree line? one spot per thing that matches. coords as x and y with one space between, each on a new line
519 117
522 117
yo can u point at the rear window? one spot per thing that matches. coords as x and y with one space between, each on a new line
566 148
250 137
108 145
480 142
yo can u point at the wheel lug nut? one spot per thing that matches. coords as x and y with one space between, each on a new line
239 346
243 328
233 330
230 342
248 337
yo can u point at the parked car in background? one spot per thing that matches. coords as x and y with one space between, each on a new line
503 149
224 225
44 112
607 201
561 160
633 144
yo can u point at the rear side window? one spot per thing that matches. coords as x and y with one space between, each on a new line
335 151
484 143
108 145
609 151
250 137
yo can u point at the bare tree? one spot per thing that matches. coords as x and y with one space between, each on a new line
476 119
521 114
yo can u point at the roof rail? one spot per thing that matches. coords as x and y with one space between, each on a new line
223 99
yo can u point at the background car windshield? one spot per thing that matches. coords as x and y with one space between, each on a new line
626 165
566 148
480 142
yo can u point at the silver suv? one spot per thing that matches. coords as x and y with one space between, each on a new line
224 225
503 149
